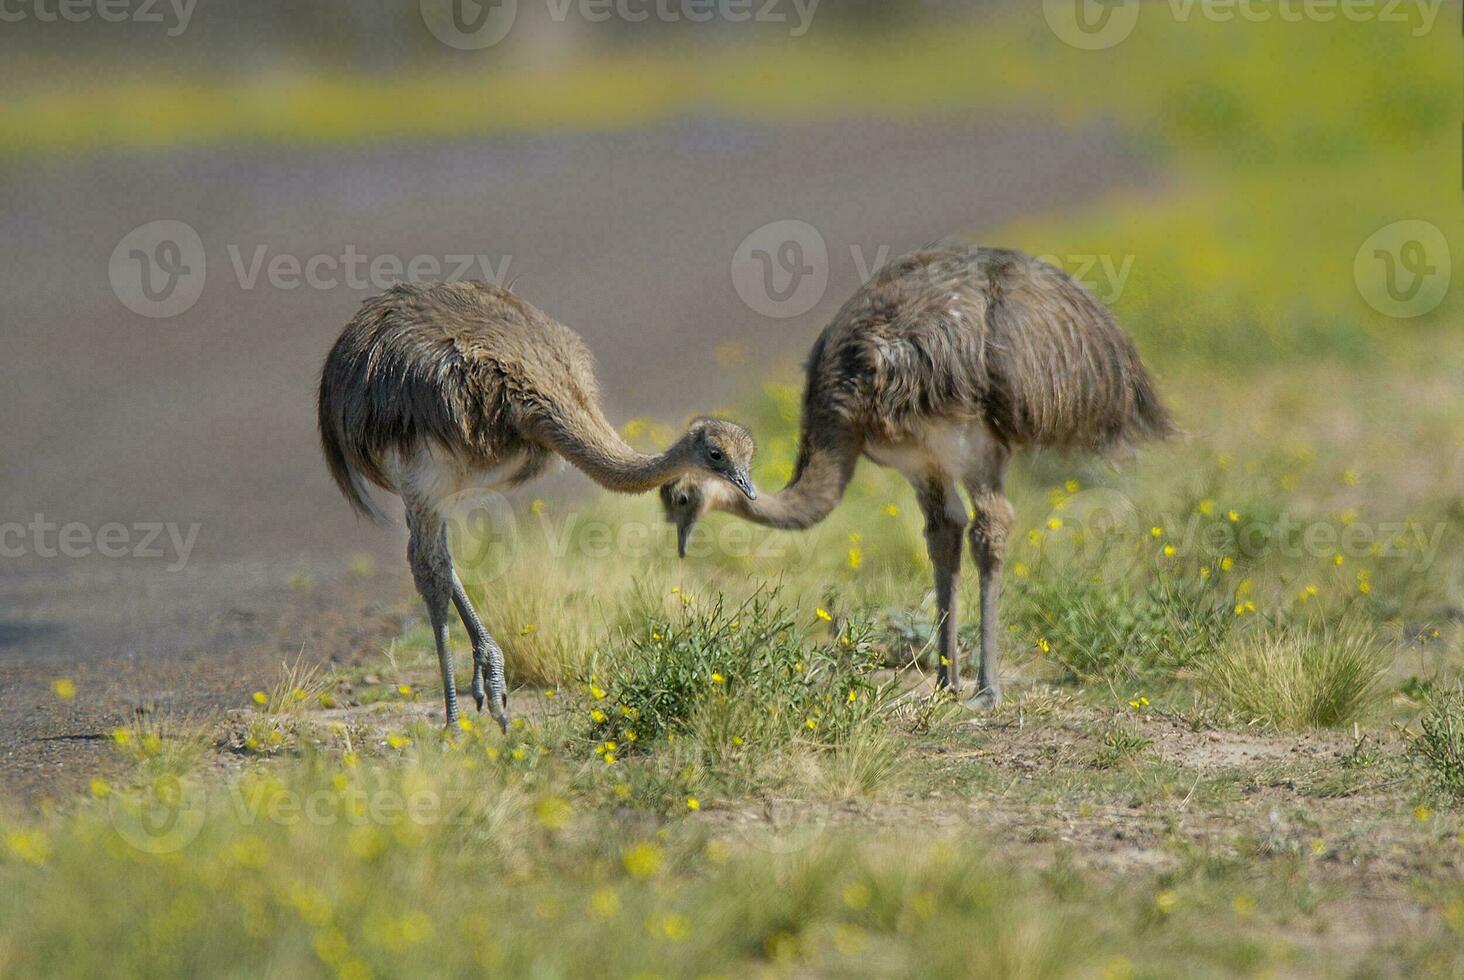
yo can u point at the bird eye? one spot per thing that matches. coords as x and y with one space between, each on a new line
682 500
716 455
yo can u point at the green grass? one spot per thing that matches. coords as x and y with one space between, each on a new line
1295 678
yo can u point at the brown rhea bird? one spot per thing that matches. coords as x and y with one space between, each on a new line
946 362
434 390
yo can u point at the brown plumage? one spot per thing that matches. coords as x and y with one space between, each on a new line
435 390
946 362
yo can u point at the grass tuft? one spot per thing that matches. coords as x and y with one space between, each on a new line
1296 678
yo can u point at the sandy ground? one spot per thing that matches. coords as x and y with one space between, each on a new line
206 419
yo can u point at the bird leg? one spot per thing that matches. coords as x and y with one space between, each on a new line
432 571
487 658
945 518
988 535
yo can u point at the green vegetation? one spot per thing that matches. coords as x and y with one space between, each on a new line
733 763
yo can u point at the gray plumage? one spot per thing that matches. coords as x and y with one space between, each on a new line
945 363
436 390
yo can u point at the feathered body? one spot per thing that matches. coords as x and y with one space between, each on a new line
942 365
984 337
437 389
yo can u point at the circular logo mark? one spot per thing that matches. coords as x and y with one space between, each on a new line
1091 25
483 530
158 269
782 269
161 819
469 25
1403 269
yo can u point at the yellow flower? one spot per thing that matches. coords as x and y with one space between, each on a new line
642 860
1244 906
1169 551
737 741
100 788
604 903
1166 901
1349 477
1232 516
597 692
1422 813
1204 571
630 735
1318 845
1054 523
526 629
1043 645
1206 507
609 758
30 846
405 690
64 688
718 679
597 716
823 614
692 803
1227 563
810 724
1337 559
553 813
1156 531
260 698
465 724
537 506
892 510
122 736
398 741
856 558
856 895
1071 486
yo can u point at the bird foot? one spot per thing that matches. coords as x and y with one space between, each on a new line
983 700
497 702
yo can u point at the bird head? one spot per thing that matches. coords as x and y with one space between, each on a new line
723 450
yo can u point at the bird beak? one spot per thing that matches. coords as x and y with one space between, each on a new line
743 482
683 534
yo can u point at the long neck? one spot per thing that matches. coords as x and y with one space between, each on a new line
592 445
818 484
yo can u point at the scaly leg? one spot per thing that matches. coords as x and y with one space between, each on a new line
988 535
487 658
432 571
945 518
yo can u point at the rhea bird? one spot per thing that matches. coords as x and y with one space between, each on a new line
436 390
942 366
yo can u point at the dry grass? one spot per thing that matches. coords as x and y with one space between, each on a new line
1295 678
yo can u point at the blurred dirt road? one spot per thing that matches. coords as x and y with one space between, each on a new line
204 422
